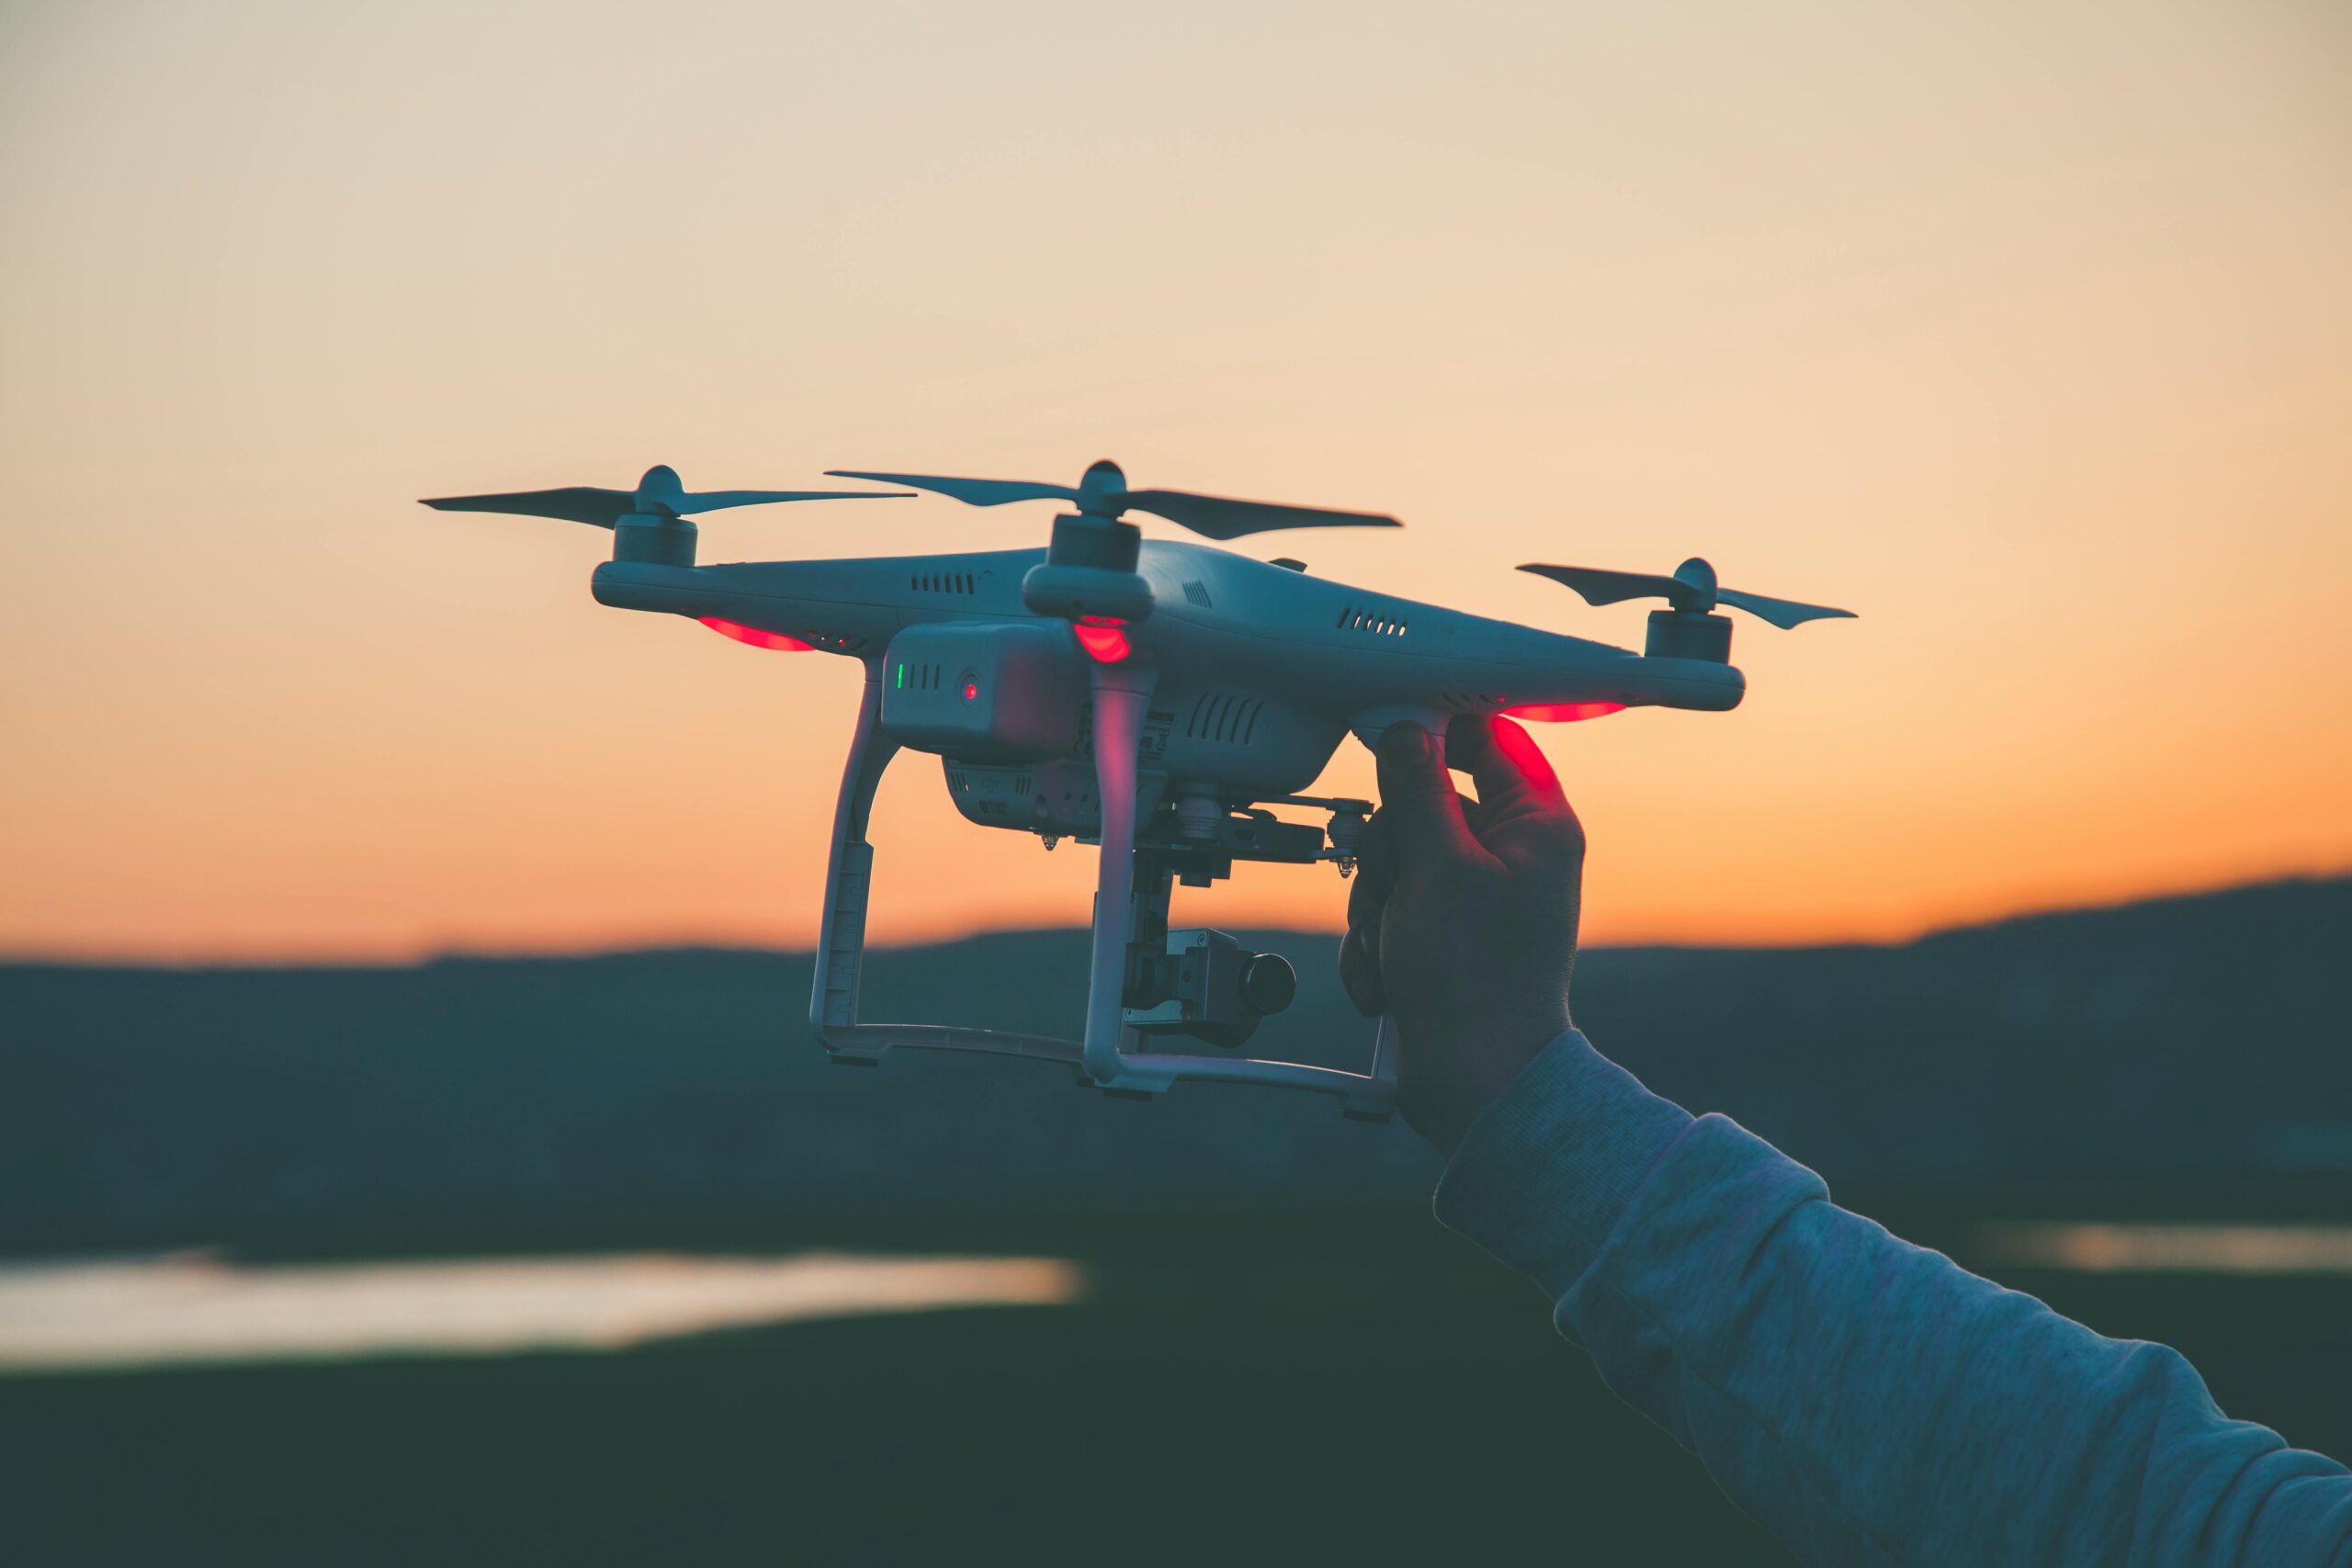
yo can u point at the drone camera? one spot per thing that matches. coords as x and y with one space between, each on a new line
1206 984
1005 691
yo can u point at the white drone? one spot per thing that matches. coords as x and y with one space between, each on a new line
1153 697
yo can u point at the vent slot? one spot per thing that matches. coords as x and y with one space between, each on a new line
1198 593
919 677
1226 716
1373 619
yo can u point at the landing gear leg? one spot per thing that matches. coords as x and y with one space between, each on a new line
1122 696
849 883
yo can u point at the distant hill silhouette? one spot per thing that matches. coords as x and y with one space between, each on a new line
2184 1043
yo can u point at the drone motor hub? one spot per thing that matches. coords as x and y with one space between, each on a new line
1689 633
654 538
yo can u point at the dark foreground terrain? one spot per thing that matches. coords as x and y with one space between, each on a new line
1281 1356
1244 1387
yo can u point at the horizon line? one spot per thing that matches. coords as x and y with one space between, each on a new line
36 959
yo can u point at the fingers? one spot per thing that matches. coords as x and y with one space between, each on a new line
1474 812
1375 875
1510 770
1367 901
1375 864
1360 971
1417 797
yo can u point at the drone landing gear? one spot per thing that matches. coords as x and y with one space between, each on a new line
1107 1057
841 941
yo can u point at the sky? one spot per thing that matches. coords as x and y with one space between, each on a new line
2023 330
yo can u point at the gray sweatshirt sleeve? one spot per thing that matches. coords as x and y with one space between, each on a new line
1867 1400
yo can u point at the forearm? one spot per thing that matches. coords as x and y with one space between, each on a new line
1866 1400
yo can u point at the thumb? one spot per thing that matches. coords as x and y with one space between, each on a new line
1417 797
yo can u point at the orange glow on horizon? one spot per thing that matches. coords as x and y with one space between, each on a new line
2045 377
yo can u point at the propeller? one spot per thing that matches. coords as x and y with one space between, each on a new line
1692 588
659 495
1104 493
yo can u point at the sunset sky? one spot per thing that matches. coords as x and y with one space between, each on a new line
2026 332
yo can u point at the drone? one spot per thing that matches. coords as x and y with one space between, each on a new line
1156 697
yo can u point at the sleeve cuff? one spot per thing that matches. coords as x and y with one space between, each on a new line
1546 1170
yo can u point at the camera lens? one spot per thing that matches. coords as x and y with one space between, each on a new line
1268 982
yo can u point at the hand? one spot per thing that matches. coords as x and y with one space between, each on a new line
1463 920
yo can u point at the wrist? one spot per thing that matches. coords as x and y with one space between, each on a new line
1450 1081
1544 1176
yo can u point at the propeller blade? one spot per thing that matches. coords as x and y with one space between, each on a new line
713 500
1106 494
1601 587
1693 589
657 494
579 504
973 493
1784 614
1218 517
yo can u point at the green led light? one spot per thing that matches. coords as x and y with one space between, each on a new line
902 677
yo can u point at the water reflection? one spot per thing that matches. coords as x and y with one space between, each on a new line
2171 1249
198 1308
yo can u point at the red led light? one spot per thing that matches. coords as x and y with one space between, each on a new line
754 636
1104 638
1564 713
971 691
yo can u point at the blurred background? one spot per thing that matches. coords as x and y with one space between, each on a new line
409 1146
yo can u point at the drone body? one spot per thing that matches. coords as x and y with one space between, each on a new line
1261 671
1155 697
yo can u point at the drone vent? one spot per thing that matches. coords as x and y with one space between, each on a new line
1198 593
1224 715
1360 619
917 677
962 583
